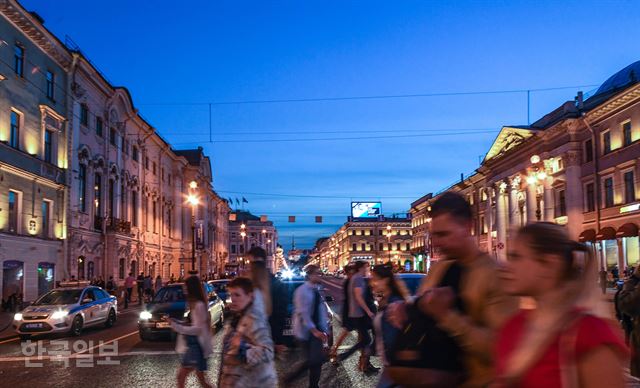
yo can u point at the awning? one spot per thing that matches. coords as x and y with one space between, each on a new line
588 235
627 230
607 233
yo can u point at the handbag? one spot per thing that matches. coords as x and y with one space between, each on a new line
424 355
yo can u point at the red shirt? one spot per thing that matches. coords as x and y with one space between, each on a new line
592 333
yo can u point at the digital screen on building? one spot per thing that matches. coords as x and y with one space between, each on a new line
366 209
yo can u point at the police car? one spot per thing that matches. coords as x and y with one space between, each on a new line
69 308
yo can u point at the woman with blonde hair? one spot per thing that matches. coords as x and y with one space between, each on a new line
566 340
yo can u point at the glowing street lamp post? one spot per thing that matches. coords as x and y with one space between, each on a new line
192 198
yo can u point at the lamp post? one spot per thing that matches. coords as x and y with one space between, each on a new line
537 175
389 241
243 234
192 198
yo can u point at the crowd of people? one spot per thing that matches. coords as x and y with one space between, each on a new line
536 320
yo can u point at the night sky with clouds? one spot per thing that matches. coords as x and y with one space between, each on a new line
176 57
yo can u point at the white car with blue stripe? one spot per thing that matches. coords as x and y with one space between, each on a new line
69 308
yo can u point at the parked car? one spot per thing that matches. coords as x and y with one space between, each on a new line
220 288
170 302
68 308
291 285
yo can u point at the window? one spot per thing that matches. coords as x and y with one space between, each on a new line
590 197
82 187
562 204
146 162
50 84
84 115
97 194
13 211
588 151
608 192
121 269
241 248
125 146
626 133
46 211
606 142
14 136
18 63
381 247
169 228
154 215
153 169
233 248
363 247
113 137
48 136
629 187
134 153
169 179
483 225
99 126
134 208
354 247
145 212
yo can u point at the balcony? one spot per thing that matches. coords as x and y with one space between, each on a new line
30 164
116 225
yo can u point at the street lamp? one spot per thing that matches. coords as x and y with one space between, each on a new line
192 199
389 241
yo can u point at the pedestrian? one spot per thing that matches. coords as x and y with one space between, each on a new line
450 327
310 327
140 287
194 342
565 340
111 286
347 324
602 279
391 289
148 288
247 350
628 303
271 290
158 284
128 285
361 314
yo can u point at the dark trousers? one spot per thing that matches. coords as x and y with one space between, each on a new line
314 358
140 291
362 325
127 297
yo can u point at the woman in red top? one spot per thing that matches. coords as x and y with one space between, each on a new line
563 342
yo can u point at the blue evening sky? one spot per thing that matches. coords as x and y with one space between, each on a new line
168 53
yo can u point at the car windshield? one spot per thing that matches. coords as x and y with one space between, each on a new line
59 297
219 287
412 283
169 294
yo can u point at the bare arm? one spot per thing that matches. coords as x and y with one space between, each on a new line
360 299
601 367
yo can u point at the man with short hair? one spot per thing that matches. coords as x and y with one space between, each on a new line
310 327
462 293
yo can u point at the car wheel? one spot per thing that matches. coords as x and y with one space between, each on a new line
76 326
111 319
25 337
143 336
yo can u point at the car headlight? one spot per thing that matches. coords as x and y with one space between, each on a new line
18 317
186 314
59 314
145 315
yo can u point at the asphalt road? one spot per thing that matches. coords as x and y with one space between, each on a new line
138 363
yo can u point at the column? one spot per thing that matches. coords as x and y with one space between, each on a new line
513 203
488 217
501 199
573 193
549 202
531 202
622 262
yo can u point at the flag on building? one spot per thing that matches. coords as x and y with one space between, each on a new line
318 219
292 218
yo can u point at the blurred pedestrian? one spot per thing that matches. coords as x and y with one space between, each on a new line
628 304
310 327
564 341
271 291
128 285
391 289
602 279
140 287
148 288
450 329
247 355
347 325
194 342
158 284
111 286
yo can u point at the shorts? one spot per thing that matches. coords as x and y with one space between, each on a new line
194 358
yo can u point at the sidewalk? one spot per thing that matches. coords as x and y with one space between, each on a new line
6 329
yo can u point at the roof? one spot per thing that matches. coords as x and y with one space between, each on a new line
623 79
242 215
193 156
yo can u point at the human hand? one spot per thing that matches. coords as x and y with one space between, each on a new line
319 335
437 302
397 314
236 340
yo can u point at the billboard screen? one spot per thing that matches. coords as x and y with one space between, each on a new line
366 209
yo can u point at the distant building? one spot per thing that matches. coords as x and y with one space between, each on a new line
246 231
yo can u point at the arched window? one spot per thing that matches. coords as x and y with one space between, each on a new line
134 268
90 270
81 261
121 269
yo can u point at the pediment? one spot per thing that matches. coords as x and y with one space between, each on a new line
508 139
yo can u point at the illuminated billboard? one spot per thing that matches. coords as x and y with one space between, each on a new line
366 209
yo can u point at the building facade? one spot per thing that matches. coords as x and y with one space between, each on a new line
33 154
247 231
576 166
376 240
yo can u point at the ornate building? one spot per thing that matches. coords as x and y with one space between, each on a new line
247 231
33 154
576 166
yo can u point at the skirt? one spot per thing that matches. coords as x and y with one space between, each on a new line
193 357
